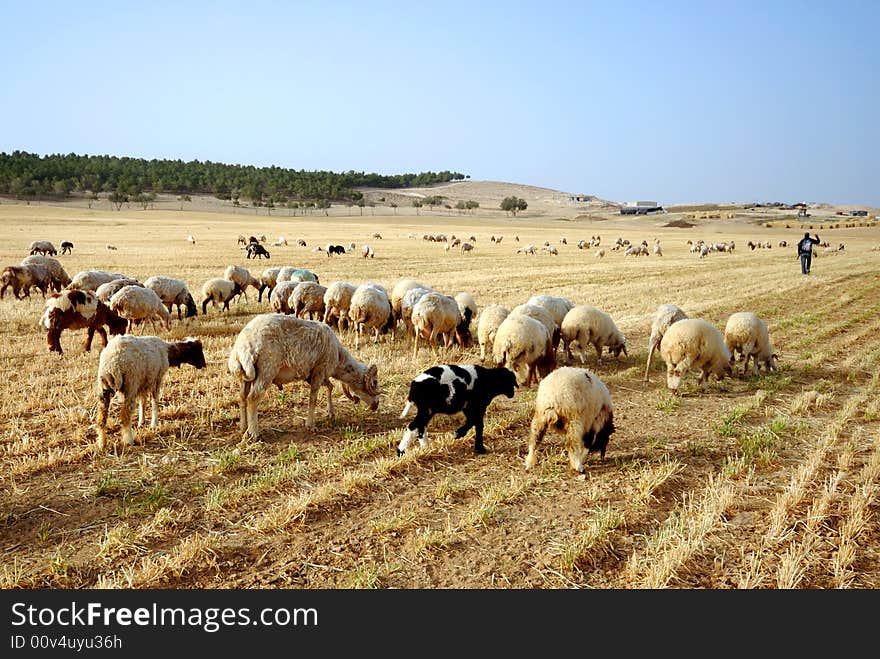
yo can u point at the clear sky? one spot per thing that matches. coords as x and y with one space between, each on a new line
668 101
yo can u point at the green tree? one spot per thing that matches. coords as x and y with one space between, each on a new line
394 206
182 198
460 206
513 205
417 205
472 205
361 203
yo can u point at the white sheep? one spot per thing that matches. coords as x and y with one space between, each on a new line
600 252
467 307
173 292
436 316
694 343
370 309
138 304
557 306
105 291
524 345
412 296
290 273
279 300
89 280
307 298
490 319
540 314
367 251
576 402
243 277
399 290
337 301
665 315
277 349
268 279
135 367
748 335
218 291
586 325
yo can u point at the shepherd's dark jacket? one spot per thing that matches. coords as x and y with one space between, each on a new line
805 246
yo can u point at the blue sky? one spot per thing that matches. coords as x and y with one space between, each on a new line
670 101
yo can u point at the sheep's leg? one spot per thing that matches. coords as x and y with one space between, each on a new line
141 410
538 430
416 429
577 451
474 419
648 364
357 336
125 415
416 346
313 399
242 405
253 402
154 418
598 348
103 408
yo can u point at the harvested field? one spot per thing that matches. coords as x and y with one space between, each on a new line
765 482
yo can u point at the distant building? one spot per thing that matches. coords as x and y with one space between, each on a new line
640 208
580 197
859 213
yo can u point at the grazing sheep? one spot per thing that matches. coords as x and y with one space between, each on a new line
436 315
108 290
467 307
75 309
190 239
585 325
551 249
450 389
747 335
658 250
528 249
277 349
399 290
66 247
334 249
377 236
138 304
466 247
268 279
218 290
600 252
111 248
490 319
370 309
279 300
576 402
523 345
22 278
242 277
289 273
665 315
256 251
541 315
337 301
412 296
58 277
89 280
367 252
307 298
557 306
173 292
242 240
43 247
694 343
281 241
136 366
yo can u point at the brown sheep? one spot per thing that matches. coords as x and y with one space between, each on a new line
76 309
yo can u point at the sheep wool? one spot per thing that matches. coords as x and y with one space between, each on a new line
576 402
523 345
665 315
747 335
276 349
694 343
138 304
135 367
584 325
490 319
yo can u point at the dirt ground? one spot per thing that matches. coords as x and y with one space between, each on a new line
766 481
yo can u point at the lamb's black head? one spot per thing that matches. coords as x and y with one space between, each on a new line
507 380
191 308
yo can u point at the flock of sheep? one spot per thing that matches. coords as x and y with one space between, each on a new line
299 340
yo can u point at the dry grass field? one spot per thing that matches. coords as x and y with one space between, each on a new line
765 482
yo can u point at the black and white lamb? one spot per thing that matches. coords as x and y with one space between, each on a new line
453 388
276 349
135 366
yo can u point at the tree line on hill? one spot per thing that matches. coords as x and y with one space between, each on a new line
123 180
